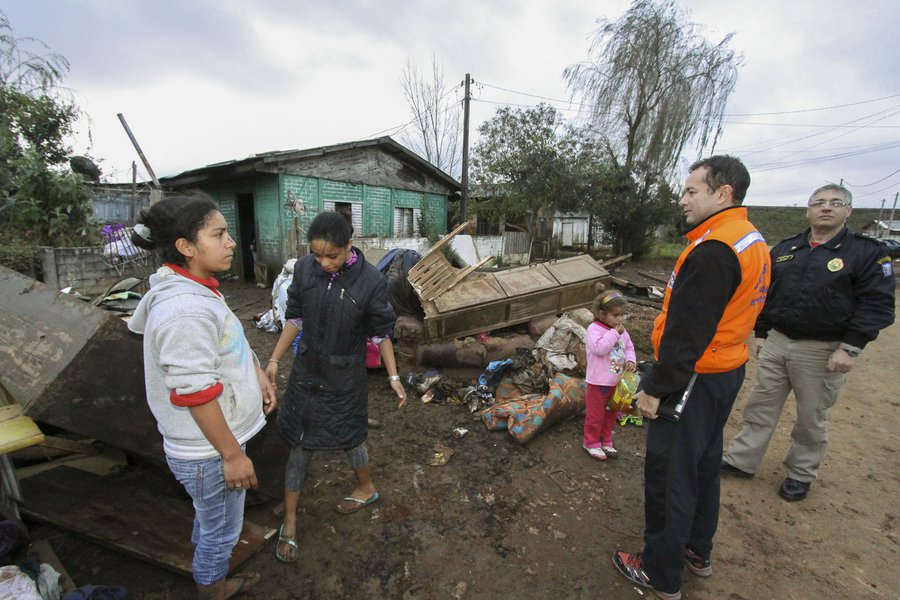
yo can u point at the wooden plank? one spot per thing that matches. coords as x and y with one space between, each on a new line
615 260
10 411
77 446
124 513
18 432
575 269
463 273
526 280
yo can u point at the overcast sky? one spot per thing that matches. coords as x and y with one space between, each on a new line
203 81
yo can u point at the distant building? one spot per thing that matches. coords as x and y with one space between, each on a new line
115 202
269 199
883 229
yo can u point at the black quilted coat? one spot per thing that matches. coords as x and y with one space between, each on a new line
325 406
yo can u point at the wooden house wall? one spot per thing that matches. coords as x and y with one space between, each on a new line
368 165
378 206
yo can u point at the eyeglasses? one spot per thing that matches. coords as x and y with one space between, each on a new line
835 203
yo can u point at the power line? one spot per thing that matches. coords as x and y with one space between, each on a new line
874 182
810 125
793 112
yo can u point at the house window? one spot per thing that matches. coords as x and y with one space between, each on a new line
406 222
351 210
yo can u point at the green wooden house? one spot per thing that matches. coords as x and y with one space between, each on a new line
269 199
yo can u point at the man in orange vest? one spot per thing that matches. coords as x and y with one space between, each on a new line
716 291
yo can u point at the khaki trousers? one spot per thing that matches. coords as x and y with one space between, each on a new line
787 365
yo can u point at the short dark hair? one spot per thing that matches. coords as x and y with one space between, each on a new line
834 187
331 226
724 169
174 217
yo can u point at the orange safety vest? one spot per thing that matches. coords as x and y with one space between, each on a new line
728 348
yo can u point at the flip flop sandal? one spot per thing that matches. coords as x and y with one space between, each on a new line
291 542
351 505
246 582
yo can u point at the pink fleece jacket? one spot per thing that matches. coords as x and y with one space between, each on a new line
607 353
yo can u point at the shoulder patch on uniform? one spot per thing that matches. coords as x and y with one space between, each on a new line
887 268
784 257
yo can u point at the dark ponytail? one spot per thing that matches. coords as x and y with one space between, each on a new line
160 226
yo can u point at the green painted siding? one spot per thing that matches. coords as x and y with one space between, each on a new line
434 213
267 209
378 211
378 207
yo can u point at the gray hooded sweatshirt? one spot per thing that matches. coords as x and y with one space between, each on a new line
193 343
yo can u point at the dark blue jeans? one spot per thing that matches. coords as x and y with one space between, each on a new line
681 478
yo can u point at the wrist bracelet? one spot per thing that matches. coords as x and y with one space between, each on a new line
393 378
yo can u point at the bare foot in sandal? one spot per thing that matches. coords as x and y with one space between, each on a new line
351 504
286 548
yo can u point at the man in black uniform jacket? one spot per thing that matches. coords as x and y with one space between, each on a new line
832 292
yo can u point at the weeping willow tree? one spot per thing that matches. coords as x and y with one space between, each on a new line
652 84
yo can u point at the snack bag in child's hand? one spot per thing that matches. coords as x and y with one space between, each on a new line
625 389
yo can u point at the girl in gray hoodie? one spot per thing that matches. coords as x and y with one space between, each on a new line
204 384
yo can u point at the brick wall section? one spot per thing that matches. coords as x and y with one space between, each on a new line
85 270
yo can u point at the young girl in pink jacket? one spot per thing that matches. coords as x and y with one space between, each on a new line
609 354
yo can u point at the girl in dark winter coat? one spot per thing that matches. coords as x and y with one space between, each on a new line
340 300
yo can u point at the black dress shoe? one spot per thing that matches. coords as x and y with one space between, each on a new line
730 469
793 490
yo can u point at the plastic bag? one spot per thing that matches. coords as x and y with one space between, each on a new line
620 401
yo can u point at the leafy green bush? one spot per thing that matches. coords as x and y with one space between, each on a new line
22 257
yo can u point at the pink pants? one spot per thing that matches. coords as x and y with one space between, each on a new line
598 422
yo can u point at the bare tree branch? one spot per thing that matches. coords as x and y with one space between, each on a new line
435 129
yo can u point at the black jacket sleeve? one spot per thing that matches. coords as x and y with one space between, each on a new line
705 284
873 288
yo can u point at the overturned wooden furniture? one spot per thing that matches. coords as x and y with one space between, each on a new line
460 302
74 366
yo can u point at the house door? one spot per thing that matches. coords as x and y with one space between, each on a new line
246 236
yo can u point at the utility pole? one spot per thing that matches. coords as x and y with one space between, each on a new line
464 200
891 220
134 213
140 152
880 215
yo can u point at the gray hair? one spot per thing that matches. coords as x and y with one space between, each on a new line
837 188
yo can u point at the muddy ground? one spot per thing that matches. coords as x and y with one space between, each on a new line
501 520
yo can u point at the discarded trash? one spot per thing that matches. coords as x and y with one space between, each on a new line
422 382
565 481
460 432
477 398
441 456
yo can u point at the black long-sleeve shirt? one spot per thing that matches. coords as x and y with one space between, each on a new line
706 281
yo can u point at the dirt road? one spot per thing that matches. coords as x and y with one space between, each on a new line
541 521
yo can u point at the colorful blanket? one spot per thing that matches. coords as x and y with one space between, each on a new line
526 416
